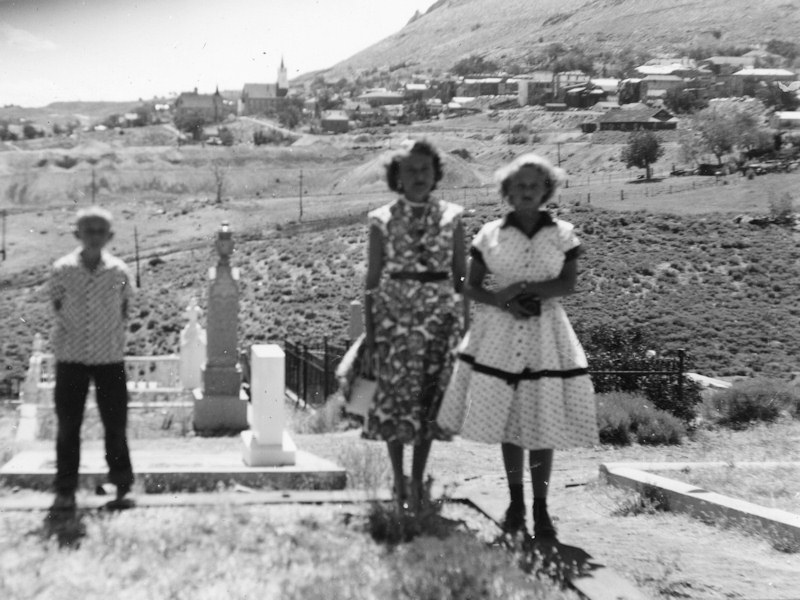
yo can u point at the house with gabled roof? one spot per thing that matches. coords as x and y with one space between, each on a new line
208 106
745 81
637 117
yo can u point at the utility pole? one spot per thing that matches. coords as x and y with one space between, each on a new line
3 250
301 194
136 250
509 127
558 145
94 186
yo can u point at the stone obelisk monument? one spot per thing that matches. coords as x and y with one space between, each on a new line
219 406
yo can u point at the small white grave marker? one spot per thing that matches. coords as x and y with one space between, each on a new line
267 443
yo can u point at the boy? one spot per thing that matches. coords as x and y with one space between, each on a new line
90 290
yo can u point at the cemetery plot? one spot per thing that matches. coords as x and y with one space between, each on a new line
771 486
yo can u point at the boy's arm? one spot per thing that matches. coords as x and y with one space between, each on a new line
127 291
56 289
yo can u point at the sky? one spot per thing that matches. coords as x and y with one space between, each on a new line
62 50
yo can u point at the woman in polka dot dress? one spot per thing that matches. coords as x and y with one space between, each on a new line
521 377
415 271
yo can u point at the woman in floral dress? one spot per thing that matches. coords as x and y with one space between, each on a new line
416 265
521 377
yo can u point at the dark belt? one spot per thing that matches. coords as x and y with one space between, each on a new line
423 276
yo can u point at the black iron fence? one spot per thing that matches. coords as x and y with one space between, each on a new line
310 372
616 373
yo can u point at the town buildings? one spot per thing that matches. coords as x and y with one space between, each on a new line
263 98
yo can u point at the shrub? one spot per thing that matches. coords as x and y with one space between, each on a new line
755 400
389 524
612 348
226 136
66 162
781 209
325 419
625 418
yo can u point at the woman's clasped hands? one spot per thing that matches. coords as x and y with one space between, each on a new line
518 300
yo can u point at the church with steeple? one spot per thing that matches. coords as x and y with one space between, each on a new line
262 98
282 87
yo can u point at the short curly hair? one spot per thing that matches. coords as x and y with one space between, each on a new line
556 176
93 212
407 148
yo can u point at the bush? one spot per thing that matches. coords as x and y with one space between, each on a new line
226 136
66 162
625 418
781 209
325 419
612 348
271 137
755 400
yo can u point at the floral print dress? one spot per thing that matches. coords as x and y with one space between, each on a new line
416 315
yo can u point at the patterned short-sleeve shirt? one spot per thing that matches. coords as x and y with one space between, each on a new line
89 309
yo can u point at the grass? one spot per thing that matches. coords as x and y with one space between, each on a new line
775 487
236 552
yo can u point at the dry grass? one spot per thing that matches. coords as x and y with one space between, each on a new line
776 487
254 552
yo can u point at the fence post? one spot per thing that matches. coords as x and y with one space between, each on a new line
356 326
325 367
304 367
681 367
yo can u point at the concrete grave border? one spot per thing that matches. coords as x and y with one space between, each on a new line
700 503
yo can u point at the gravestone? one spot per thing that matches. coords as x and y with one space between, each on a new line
193 348
219 406
267 443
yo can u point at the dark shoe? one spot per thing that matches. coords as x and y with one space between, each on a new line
543 528
514 520
63 501
121 502
401 494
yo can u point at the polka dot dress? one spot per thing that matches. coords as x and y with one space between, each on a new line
522 381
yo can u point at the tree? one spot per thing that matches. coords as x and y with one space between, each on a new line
683 101
30 132
220 178
191 122
727 125
643 150
226 136
290 113
474 65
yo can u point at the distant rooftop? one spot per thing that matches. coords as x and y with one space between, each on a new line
751 72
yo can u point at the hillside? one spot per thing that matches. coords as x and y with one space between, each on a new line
724 291
507 31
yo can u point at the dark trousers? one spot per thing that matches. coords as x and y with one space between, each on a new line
72 387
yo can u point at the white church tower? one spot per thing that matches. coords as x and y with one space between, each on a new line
283 81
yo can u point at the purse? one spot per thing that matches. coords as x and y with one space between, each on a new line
356 381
